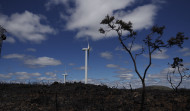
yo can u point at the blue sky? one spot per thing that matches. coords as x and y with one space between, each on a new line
45 37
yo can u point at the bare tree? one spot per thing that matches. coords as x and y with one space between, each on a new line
2 36
178 71
152 42
2 33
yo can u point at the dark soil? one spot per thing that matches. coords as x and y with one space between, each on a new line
81 97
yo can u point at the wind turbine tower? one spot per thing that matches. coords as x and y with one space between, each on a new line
65 77
86 62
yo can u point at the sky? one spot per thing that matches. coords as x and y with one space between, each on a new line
45 38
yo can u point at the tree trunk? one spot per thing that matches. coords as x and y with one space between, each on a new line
56 104
131 87
143 95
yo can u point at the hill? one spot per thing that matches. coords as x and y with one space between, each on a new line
157 87
154 87
86 97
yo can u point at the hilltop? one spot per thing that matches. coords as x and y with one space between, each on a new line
86 97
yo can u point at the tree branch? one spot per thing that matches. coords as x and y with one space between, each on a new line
134 62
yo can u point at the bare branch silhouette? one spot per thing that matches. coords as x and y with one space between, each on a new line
179 70
151 42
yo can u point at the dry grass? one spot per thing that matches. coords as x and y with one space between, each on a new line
81 97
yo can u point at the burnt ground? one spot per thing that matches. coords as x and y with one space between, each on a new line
81 97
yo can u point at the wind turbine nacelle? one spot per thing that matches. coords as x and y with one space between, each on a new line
84 49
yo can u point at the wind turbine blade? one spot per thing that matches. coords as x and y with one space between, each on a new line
88 46
88 51
88 55
65 70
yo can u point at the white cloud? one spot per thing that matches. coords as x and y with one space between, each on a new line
125 76
166 70
5 76
42 61
157 76
106 55
186 64
171 70
46 78
51 74
159 1
161 78
14 56
175 77
87 15
31 49
24 75
112 66
26 26
33 61
123 70
186 51
135 47
55 2
119 70
80 68
187 54
142 17
10 40
159 54
119 48
71 64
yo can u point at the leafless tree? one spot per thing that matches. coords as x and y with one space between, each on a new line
2 33
2 37
152 42
179 71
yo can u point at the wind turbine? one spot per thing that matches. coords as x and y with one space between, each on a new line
87 50
65 77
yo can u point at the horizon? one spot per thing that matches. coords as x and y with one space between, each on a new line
74 82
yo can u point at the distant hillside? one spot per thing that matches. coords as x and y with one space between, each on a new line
156 87
87 97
